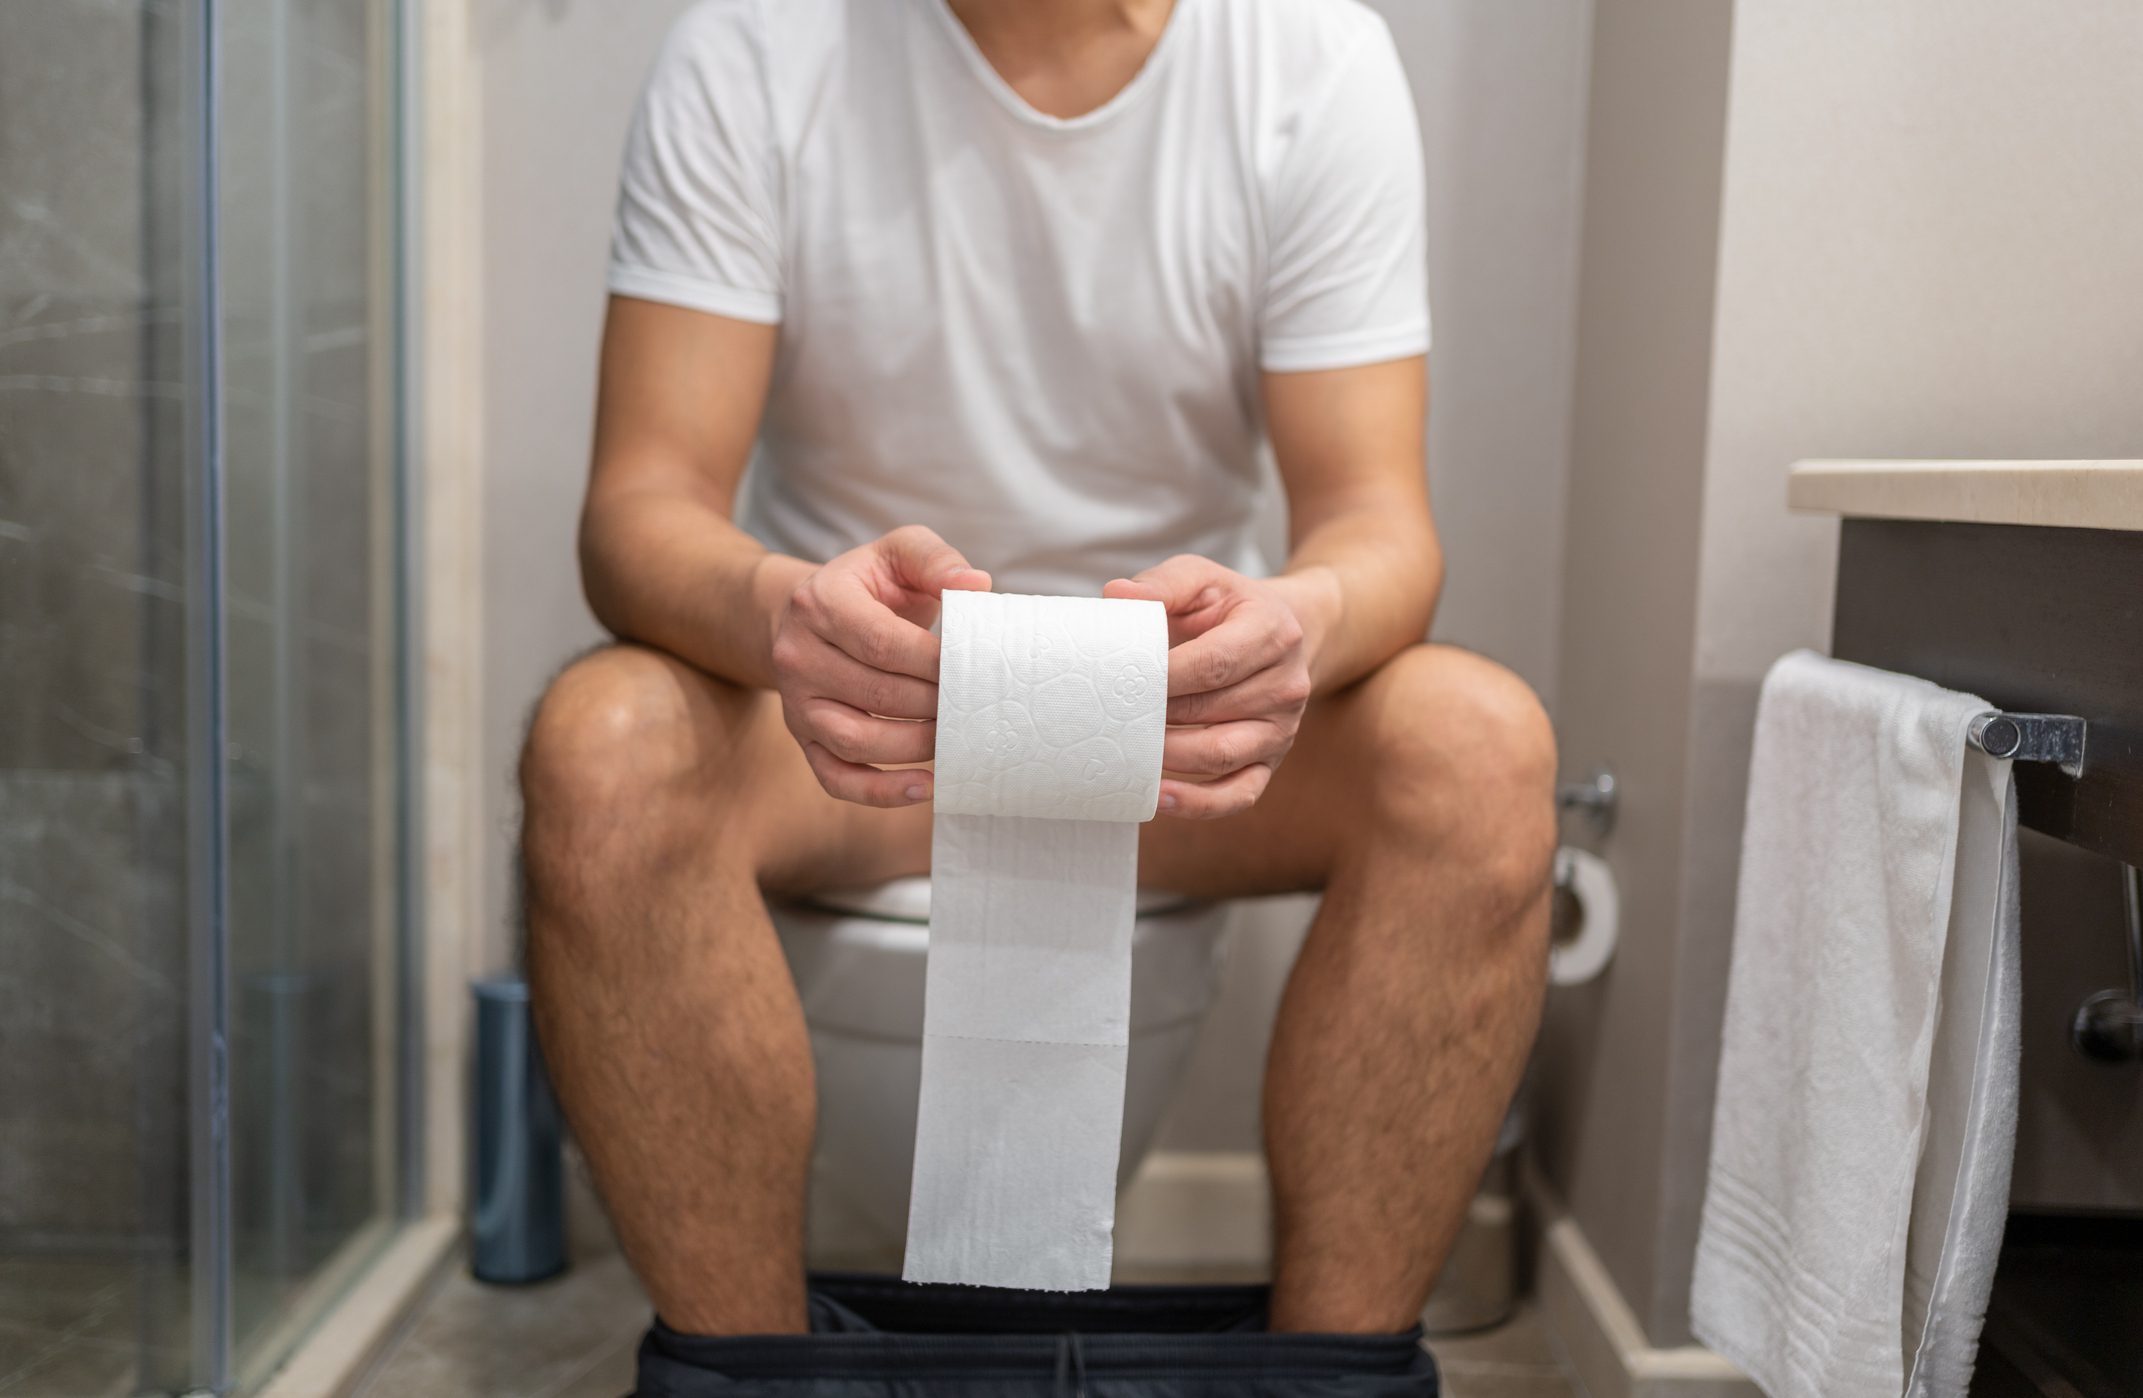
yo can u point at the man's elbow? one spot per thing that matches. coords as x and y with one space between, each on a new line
1428 584
598 586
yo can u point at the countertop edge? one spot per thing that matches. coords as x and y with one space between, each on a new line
2053 494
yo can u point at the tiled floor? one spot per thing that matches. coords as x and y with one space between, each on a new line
67 1327
573 1338
1514 1360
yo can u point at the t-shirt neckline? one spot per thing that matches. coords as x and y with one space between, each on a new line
985 73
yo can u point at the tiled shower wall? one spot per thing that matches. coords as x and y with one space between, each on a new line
92 932
96 410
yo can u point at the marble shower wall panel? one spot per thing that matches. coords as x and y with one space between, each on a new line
91 994
92 934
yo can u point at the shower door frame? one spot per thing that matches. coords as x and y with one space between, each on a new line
299 1353
209 1240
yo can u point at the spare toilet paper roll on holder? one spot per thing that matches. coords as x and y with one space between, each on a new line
1590 883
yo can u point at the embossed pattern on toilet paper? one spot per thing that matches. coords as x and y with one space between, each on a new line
1051 714
1051 707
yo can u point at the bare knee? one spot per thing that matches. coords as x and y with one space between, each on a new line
1461 760
615 720
615 734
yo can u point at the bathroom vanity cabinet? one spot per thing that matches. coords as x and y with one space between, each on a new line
2022 582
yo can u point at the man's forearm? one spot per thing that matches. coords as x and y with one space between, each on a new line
1364 583
677 574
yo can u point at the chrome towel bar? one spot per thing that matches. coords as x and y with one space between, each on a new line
2056 738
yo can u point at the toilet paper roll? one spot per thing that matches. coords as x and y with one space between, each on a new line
1590 881
1051 714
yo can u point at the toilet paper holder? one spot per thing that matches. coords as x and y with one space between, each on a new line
1596 795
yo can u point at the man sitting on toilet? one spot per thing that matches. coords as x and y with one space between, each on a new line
1009 293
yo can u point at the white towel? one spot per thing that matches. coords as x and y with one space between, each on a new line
1867 1076
1960 1196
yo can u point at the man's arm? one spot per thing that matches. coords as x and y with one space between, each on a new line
1360 584
1350 447
663 563
677 409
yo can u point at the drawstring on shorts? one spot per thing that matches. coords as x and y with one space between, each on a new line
1071 1365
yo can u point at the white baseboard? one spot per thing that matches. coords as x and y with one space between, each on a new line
1196 1209
1599 1334
334 1355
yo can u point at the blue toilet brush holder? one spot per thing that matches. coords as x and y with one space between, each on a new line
517 1185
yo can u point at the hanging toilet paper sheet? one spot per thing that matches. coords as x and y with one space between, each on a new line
1051 712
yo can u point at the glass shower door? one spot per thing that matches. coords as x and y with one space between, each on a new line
306 231
203 784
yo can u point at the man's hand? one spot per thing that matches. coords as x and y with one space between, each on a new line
1238 676
857 666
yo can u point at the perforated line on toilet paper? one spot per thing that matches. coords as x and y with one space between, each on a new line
1051 713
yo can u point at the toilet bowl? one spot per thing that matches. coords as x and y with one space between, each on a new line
857 959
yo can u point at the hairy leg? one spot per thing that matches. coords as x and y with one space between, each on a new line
1421 801
659 803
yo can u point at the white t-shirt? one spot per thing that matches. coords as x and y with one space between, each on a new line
1040 337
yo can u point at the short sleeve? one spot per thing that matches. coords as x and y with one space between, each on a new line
698 219
1346 278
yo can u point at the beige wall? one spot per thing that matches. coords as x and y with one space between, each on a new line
1500 88
1658 102
1927 246
559 81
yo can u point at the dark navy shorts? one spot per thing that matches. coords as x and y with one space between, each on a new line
875 1337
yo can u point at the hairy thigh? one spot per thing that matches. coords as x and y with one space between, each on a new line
807 840
634 752
1431 737
1436 749
1288 841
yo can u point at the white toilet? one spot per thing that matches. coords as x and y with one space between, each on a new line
857 958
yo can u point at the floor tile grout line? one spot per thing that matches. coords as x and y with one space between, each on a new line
588 1368
1560 1352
